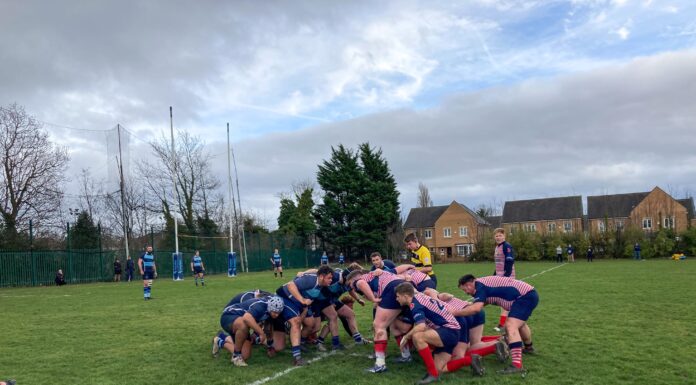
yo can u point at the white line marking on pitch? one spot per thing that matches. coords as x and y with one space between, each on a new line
542 272
288 370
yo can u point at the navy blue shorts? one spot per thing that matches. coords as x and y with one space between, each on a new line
522 307
197 270
477 319
388 298
276 264
449 338
227 319
464 331
428 283
148 274
318 306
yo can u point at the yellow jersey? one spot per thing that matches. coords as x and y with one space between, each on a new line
421 257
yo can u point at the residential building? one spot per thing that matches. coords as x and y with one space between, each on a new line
649 211
543 216
448 231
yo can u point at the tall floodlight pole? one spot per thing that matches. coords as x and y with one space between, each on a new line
123 192
229 188
176 190
239 204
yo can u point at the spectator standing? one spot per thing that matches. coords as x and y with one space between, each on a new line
117 270
590 254
130 268
324 259
559 254
571 253
341 259
636 251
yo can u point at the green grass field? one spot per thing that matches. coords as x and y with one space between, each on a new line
609 322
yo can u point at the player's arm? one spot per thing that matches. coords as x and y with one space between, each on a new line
356 298
418 327
469 310
445 297
377 272
252 324
403 268
202 265
295 292
367 291
140 266
191 265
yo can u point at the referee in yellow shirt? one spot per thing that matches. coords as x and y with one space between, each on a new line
420 256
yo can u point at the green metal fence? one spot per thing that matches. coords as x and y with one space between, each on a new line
38 268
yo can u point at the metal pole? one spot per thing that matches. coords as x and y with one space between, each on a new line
176 189
229 189
123 200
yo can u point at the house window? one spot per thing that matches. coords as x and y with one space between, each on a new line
552 227
647 223
447 232
620 224
669 222
530 227
602 227
463 231
567 226
428 234
465 250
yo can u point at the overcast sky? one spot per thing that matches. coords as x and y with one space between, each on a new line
483 101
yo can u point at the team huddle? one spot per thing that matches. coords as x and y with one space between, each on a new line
447 332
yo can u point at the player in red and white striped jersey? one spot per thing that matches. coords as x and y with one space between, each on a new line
504 258
378 287
433 326
519 298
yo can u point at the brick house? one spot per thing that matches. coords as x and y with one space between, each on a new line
448 231
649 211
547 215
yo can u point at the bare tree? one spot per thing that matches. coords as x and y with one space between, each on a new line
32 170
194 181
424 196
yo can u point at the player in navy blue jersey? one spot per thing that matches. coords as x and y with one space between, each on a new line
379 263
238 320
198 268
517 297
331 308
324 259
297 295
433 326
277 263
247 295
148 269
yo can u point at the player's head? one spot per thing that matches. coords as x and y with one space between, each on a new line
325 275
466 283
353 276
499 235
376 259
411 242
404 293
275 306
197 252
275 251
148 248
